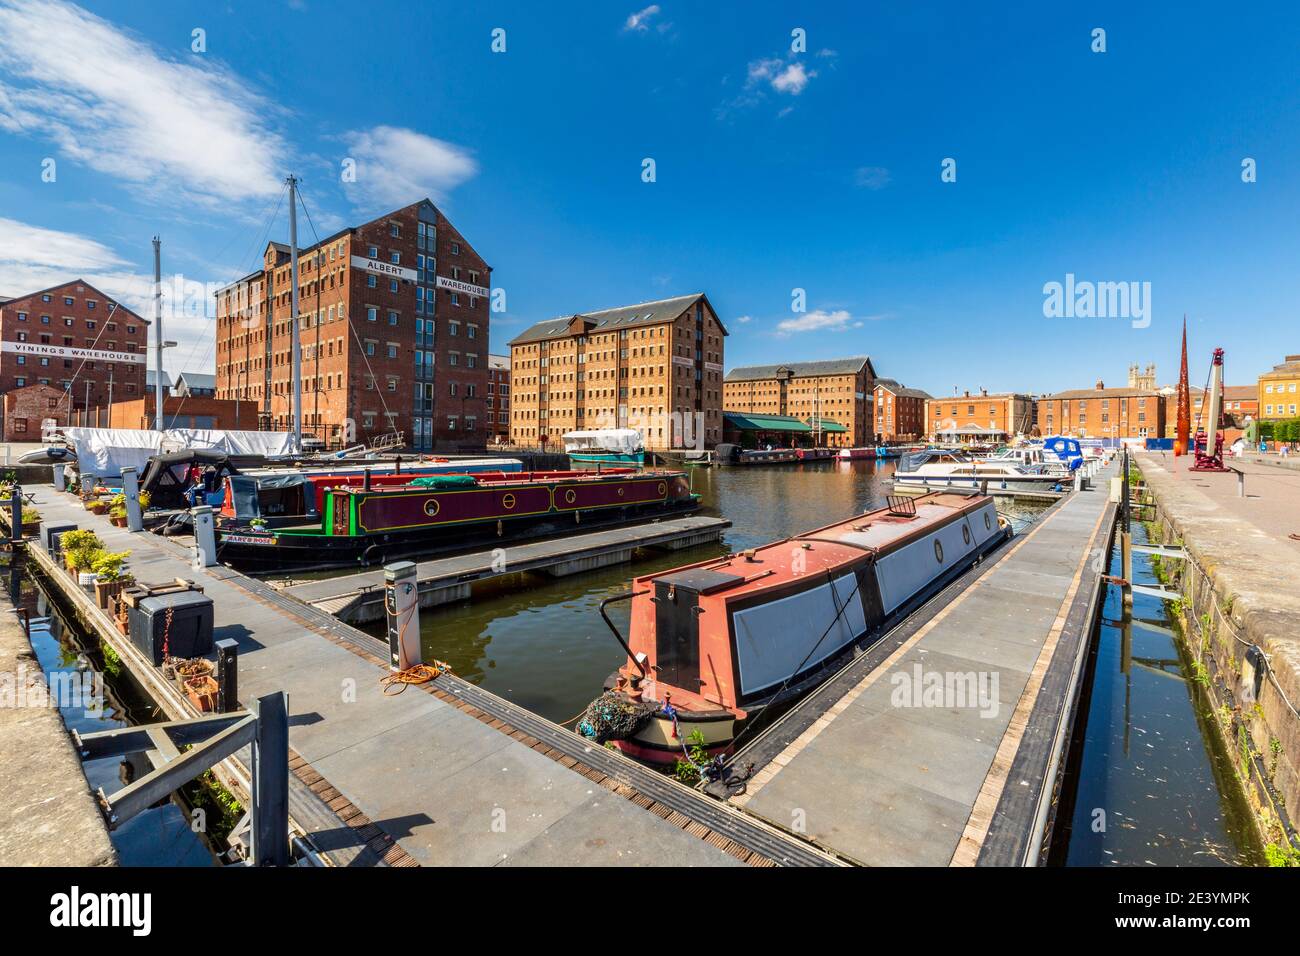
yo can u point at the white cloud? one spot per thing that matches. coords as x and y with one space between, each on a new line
792 79
841 320
110 101
396 166
640 21
743 319
871 177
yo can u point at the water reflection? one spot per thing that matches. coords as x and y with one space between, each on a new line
1152 786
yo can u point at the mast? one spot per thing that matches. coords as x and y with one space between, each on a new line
1182 431
157 335
294 345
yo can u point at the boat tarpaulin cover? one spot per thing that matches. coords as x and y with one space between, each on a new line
106 451
442 482
623 440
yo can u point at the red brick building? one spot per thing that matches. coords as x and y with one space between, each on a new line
25 409
980 418
394 334
74 339
899 411
498 397
1102 412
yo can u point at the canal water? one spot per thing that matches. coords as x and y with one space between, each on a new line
161 835
541 643
1150 782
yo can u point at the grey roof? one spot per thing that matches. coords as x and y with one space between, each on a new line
197 379
892 385
844 366
499 361
623 317
149 378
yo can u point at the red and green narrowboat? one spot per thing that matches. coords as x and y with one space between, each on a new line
299 521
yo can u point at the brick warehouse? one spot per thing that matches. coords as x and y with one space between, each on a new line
900 411
1103 412
654 366
394 335
837 390
979 418
73 338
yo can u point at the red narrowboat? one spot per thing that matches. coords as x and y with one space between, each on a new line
713 644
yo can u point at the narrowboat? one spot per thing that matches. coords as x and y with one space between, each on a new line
605 446
729 454
319 521
856 454
711 645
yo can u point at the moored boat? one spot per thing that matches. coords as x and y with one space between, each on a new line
857 453
938 469
317 520
605 446
711 645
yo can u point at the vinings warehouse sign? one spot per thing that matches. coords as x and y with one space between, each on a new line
68 352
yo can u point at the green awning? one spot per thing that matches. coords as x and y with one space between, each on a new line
777 423
764 423
828 426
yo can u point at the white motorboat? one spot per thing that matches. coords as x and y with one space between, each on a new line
937 469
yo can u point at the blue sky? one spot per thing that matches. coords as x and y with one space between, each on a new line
775 169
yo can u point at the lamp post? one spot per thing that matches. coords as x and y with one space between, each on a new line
159 414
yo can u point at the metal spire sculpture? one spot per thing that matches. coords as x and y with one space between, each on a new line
1183 429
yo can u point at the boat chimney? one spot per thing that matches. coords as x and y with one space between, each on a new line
749 554
366 484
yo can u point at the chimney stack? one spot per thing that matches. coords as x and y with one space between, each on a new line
1100 385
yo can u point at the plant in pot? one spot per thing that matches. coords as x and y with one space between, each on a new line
31 521
77 543
144 500
85 565
117 515
110 576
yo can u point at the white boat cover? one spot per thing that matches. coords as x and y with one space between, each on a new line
106 451
624 440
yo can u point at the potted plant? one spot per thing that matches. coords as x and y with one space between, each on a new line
31 522
117 515
202 692
76 544
110 576
185 669
143 498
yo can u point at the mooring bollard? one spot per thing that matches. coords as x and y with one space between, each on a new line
227 675
87 484
134 519
402 602
60 478
205 538
1241 483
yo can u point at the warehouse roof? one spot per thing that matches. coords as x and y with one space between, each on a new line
844 366
623 317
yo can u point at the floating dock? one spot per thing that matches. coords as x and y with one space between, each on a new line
442 774
359 598
944 743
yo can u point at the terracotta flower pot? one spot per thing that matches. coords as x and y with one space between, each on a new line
202 693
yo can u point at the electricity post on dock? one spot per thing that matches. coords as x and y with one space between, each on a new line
402 602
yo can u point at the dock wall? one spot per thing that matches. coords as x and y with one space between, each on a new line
1239 588
48 815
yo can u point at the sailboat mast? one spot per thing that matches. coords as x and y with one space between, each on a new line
294 344
157 335
1183 427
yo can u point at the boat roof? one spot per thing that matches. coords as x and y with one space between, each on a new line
819 552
